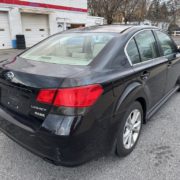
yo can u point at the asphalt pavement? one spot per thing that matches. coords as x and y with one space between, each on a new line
177 40
156 157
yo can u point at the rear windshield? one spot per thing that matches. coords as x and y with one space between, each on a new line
71 49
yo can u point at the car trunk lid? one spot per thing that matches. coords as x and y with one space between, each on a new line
20 82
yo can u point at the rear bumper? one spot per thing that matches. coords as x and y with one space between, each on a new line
68 150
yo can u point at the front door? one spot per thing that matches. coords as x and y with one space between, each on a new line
169 51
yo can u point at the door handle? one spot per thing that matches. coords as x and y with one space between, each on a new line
145 75
169 64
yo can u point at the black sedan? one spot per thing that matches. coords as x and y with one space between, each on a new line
85 93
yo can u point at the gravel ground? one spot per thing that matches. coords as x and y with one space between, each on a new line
156 157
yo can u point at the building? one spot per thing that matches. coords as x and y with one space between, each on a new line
37 19
178 13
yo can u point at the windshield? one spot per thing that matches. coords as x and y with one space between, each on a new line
71 49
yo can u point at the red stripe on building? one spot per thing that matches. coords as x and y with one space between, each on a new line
42 5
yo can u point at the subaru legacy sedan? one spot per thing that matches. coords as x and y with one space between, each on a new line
85 93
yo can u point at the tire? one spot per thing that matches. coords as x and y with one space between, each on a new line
125 144
178 83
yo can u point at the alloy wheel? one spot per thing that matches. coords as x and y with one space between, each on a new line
132 129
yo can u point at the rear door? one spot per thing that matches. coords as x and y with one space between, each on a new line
169 50
150 68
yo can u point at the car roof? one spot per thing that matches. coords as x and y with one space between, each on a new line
111 28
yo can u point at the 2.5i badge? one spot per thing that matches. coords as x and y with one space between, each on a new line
38 111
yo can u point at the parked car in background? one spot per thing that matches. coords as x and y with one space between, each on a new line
86 92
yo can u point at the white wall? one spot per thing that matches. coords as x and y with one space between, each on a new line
65 18
56 17
15 22
92 20
69 3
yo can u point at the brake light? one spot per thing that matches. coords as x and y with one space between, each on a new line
83 96
46 96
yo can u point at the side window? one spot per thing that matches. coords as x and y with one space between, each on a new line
166 43
147 45
132 52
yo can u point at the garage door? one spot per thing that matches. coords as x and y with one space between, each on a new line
35 28
5 39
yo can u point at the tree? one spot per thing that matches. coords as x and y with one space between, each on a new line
140 11
172 6
104 8
154 11
164 12
174 13
130 10
158 12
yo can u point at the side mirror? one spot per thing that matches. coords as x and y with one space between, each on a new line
178 48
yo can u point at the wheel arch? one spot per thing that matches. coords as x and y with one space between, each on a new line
133 92
178 81
143 103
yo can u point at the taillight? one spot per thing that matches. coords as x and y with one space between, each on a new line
46 96
78 97
83 96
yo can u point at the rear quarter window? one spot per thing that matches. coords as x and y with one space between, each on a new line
133 52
